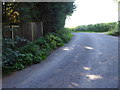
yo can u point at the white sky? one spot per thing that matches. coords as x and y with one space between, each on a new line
93 11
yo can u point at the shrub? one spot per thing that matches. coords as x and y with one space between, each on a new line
34 52
30 48
9 57
10 52
115 32
65 35
25 59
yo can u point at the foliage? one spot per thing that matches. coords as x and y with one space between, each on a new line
34 52
10 13
10 52
54 40
114 31
32 49
22 61
52 14
65 34
110 28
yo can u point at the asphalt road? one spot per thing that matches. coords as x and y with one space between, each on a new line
89 60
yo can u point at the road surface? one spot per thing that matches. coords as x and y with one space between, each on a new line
89 60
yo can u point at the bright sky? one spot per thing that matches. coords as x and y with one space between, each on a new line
93 11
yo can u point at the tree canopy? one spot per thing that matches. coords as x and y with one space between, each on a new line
52 14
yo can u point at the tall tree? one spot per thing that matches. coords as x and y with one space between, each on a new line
52 14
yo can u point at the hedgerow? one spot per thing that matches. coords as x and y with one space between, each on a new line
110 28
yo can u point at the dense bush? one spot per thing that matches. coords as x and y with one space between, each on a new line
10 54
102 27
34 52
9 51
65 35
115 31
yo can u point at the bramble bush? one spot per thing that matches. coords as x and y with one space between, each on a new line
34 52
